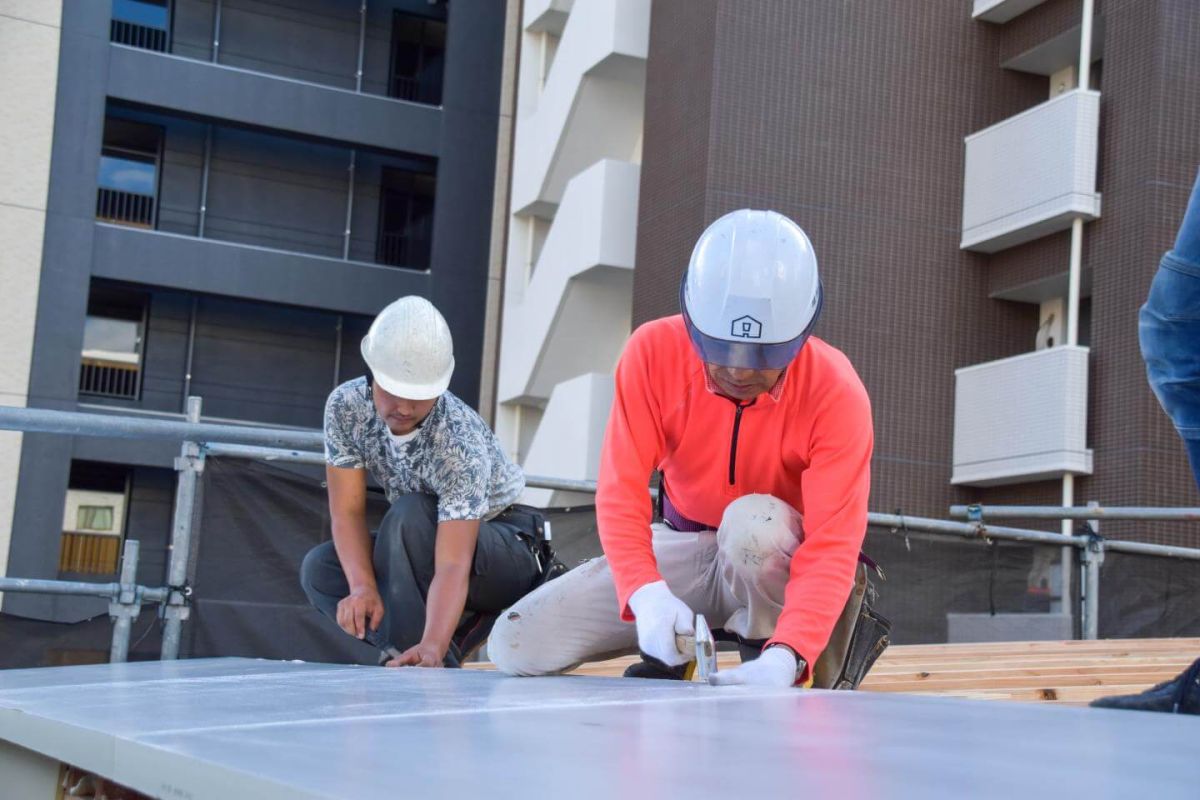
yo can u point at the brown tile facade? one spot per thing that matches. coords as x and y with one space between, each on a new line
849 116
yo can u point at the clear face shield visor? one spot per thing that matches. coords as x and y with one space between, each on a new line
747 355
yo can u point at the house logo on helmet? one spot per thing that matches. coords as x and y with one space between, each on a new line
746 327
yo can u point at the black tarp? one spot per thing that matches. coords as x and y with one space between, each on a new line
258 520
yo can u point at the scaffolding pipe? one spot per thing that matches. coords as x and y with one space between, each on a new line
127 605
189 465
74 423
1148 549
77 589
1093 557
263 453
1076 512
1066 556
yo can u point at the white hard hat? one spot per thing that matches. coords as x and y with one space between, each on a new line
409 350
751 296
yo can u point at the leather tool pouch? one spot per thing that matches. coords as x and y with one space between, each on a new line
859 637
532 524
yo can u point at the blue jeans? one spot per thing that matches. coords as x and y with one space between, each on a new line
1169 329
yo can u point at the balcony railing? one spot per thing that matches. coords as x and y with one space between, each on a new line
405 88
1022 419
134 35
1030 175
89 553
126 208
410 249
108 379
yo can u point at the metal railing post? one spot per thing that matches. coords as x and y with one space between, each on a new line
362 42
189 465
216 32
1092 556
127 605
349 203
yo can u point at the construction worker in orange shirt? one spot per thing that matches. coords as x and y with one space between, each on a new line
763 435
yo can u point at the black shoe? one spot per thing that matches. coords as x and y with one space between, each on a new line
1180 695
651 667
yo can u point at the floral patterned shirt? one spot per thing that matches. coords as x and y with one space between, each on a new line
453 456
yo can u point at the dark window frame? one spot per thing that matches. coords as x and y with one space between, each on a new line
393 78
74 483
136 154
102 308
398 175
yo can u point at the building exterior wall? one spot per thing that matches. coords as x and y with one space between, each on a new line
29 43
273 310
571 222
850 117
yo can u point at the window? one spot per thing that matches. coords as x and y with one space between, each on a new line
405 218
418 58
128 175
93 518
140 23
110 363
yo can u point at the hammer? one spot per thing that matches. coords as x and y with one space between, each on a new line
702 646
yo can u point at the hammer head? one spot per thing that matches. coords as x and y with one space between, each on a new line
706 649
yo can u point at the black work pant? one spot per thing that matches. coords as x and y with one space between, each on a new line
503 571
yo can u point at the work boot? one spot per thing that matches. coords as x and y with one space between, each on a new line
1180 695
651 667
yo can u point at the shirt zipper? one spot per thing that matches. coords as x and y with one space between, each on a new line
737 423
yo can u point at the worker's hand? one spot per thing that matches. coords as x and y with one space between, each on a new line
419 655
775 667
360 609
660 615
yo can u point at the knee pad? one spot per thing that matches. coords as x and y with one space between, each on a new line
759 533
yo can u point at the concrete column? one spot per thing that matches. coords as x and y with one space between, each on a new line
30 31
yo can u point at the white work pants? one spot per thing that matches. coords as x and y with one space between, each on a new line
735 576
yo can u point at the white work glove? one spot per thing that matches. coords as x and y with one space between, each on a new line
660 615
775 667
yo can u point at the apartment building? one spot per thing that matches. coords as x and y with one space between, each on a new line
940 155
572 222
214 198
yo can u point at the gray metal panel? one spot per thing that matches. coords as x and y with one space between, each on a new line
242 728
257 273
265 101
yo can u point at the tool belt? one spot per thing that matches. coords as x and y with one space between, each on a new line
535 532
859 637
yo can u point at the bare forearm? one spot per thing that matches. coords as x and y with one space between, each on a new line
352 542
444 605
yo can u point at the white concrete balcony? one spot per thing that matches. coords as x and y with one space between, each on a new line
569 437
590 107
546 16
1002 10
573 317
1031 174
1022 419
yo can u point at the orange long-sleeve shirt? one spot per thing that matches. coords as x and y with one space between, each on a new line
808 443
